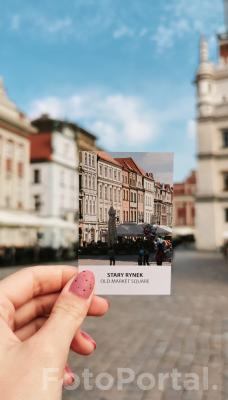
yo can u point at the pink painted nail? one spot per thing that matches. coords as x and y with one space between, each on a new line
89 338
83 284
68 376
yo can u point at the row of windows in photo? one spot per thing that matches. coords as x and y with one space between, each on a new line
109 193
109 172
90 182
89 159
103 214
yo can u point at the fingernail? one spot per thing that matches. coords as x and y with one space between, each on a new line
89 338
69 378
83 284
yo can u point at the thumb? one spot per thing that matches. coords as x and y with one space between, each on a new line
69 311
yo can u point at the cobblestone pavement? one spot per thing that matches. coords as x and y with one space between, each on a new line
187 331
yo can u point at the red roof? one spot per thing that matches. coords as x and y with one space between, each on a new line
40 146
131 165
106 157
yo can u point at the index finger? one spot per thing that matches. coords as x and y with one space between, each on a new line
28 283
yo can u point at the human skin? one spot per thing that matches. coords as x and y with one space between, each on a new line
41 312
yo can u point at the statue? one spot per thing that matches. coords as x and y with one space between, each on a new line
112 232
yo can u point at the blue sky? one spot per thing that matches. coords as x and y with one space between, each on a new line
121 68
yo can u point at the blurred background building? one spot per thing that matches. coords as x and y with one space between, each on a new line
212 147
17 224
39 184
184 206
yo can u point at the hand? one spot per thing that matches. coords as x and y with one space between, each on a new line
41 311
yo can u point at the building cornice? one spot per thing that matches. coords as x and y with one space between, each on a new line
209 156
43 161
13 128
211 198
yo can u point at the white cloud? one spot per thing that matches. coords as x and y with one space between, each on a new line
123 31
182 18
118 120
15 22
59 25
163 38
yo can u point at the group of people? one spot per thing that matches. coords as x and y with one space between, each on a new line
161 251
158 250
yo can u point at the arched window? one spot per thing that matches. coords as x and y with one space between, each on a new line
101 192
94 207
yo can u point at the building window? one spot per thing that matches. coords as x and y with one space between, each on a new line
62 178
226 181
89 159
85 181
226 214
100 170
100 194
115 174
7 202
111 194
20 169
19 205
9 167
36 176
225 138
85 158
106 193
86 206
101 212
37 202
106 172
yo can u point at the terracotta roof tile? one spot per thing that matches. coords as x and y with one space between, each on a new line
40 146
106 157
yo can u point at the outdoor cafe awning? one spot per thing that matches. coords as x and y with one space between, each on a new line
130 230
23 219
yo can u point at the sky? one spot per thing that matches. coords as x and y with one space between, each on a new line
160 164
123 69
